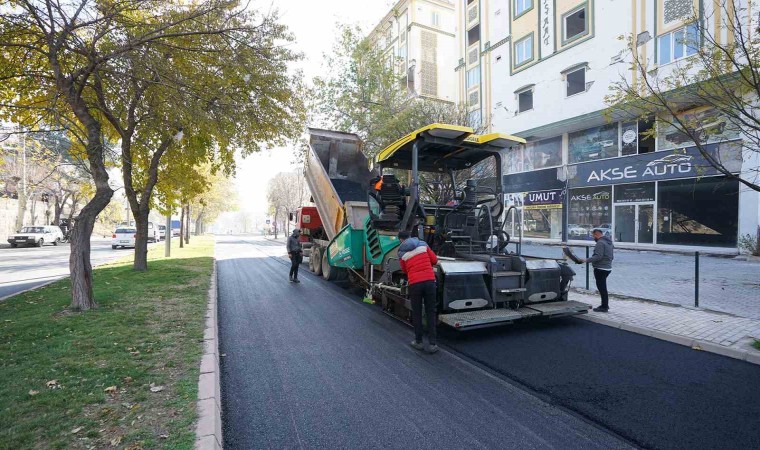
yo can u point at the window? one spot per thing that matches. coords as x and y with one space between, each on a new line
435 19
534 155
402 53
576 81
525 100
638 137
683 219
593 143
705 123
524 50
678 44
522 6
574 24
473 35
589 208
473 77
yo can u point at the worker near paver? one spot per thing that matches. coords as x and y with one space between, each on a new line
417 261
601 260
295 251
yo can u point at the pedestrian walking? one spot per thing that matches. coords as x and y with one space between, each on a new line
601 260
417 261
295 251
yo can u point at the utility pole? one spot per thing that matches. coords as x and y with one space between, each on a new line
168 236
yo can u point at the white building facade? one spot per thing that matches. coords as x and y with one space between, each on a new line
541 69
417 37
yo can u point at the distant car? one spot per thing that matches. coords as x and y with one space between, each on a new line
605 228
176 228
38 235
153 233
162 232
577 230
124 237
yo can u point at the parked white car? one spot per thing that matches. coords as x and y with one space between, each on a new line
162 232
38 235
124 237
153 232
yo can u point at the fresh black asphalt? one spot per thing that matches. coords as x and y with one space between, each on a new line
654 393
309 366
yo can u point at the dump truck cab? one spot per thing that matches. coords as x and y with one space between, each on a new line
443 184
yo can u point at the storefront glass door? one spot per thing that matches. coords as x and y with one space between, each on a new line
625 223
634 223
645 224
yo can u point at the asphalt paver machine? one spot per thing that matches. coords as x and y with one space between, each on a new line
443 184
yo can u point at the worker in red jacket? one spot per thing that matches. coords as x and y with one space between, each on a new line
417 261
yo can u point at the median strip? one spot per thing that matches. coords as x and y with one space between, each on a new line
123 375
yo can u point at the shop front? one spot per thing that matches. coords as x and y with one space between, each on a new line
663 198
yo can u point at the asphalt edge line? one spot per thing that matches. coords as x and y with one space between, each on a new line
695 344
2 299
208 431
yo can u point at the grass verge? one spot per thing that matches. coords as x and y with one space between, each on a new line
122 376
756 344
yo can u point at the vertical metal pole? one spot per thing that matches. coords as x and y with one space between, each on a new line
415 182
587 274
168 236
696 279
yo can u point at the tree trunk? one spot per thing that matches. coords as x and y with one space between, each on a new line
187 225
22 201
141 239
199 224
181 227
82 297
275 224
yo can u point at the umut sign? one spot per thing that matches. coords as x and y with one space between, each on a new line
685 163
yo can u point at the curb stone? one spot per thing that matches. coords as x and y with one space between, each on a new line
208 432
695 344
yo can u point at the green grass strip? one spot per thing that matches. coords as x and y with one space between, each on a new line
59 368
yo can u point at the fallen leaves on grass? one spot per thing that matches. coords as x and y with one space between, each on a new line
53 384
128 379
33 392
76 430
116 441
110 390
154 388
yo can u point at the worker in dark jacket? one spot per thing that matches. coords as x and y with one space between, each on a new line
295 251
417 261
601 260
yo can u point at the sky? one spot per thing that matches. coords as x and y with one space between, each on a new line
314 25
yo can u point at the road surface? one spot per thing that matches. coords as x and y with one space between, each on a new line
306 366
27 267
310 366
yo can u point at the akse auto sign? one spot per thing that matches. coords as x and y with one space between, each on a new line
666 165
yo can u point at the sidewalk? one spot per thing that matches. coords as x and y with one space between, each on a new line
700 329
725 284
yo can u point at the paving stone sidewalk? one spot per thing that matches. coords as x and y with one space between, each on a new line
701 329
726 284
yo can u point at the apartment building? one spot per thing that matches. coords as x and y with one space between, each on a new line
541 69
417 37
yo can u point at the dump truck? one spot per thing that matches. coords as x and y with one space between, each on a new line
443 184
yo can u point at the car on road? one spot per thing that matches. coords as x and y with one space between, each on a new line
38 235
153 233
124 237
162 232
